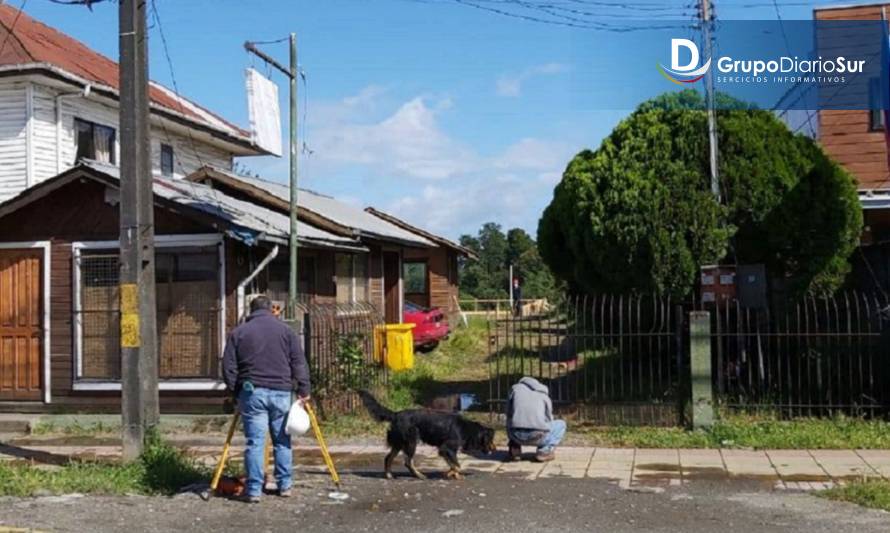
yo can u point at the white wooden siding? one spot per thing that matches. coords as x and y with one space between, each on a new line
44 137
13 139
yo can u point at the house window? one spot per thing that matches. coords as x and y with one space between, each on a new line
189 313
166 160
351 277
94 141
415 275
876 111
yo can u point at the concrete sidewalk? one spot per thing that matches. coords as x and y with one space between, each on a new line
646 469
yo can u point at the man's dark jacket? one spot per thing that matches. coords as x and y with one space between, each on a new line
265 351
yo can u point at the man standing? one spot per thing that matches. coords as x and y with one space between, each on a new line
263 362
517 298
530 420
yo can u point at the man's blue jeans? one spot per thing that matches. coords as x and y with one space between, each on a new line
266 409
545 441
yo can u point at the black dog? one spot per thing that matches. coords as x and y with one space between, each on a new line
448 432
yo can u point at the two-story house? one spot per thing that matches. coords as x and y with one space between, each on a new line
856 139
59 103
218 235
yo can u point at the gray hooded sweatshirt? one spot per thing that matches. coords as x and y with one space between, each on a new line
529 406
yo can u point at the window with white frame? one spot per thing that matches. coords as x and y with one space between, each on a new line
94 141
190 310
351 277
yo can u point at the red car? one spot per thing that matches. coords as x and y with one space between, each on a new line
431 325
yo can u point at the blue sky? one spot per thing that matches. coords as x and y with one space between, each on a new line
447 115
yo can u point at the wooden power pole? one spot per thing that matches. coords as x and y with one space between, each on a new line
139 358
707 37
291 72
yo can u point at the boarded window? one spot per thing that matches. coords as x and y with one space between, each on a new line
188 313
94 141
414 273
98 316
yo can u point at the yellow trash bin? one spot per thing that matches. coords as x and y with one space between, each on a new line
399 350
379 343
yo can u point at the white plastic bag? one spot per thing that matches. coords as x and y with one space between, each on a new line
297 420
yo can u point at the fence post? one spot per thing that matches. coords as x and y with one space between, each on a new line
307 339
700 369
682 385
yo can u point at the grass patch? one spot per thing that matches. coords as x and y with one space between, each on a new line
76 429
874 494
162 469
352 425
457 363
745 431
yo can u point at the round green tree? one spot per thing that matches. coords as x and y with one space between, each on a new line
638 214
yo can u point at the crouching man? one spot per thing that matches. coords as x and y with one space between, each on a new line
263 362
530 420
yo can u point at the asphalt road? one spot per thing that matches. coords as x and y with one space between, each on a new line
479 503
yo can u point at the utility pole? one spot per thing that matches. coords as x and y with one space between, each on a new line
139 358
707 38
291 73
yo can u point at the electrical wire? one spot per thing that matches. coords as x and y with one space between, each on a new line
547 9
157 17
12 26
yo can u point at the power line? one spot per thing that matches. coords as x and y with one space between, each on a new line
560 20
12 27
157 17
788 48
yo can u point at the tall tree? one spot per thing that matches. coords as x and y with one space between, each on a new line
488 277
637 213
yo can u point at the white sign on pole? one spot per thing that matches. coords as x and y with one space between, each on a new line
265 115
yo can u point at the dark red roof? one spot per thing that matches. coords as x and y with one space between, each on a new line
34 42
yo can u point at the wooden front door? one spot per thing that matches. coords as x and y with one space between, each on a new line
21 332
391 291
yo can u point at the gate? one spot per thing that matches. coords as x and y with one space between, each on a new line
608 359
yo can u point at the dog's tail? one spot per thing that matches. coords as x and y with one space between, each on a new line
377 410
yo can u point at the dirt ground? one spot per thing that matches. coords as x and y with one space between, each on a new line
481 502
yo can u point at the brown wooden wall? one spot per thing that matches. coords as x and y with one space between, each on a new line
845 134
441 283
79 212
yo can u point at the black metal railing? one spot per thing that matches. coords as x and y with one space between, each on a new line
340 344
614 358
814 357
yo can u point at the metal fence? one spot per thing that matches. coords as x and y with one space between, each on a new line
816 357
607 358
340 343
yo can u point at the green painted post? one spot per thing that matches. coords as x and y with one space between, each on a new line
700 374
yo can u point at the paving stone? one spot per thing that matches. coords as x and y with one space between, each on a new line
702 463
793 465
843 464
879 460
528 469
558 469
748 463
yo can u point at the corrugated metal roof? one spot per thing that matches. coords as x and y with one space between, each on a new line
341 213
257 222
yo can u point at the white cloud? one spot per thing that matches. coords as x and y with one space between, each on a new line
511 85
368 150
409 142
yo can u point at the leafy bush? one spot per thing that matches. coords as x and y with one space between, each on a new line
638 214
